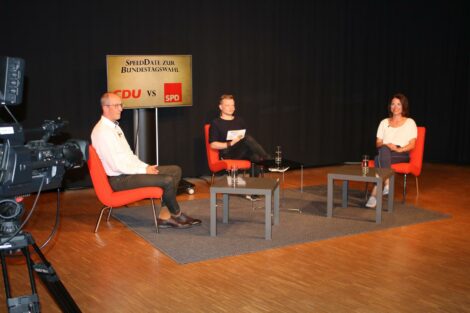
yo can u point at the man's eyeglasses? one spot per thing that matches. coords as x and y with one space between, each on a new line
114 105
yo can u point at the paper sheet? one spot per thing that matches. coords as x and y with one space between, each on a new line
232 134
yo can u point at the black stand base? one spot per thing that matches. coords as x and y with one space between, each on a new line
44 270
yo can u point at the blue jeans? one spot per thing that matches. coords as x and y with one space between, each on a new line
387 157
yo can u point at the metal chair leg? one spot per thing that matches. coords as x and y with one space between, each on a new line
212 179
154 215
99 219
109 214
404 188
417 187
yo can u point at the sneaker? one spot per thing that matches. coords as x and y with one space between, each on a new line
372 202
385 192
253 197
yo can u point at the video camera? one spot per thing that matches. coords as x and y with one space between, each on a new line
36 165
33 166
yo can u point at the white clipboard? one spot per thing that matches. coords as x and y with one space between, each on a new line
232 134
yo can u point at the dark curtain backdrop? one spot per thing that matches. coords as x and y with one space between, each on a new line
314 77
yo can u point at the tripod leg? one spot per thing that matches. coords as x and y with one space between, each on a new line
6 281
27 303
53 284
33 300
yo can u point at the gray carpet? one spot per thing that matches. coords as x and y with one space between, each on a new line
245 231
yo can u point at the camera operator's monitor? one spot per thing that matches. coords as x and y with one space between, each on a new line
11 80
151 81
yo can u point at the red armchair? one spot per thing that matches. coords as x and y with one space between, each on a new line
214 162
112 199
416 161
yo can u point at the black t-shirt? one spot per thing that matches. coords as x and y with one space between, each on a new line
220 127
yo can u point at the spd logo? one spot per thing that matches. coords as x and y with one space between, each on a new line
172 92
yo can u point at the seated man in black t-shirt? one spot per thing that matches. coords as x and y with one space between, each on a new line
229 135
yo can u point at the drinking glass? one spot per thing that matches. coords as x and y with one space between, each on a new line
278 157
365 164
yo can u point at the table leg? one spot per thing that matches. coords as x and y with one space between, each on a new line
276 205
329 198
213 226
378 209
391 193
344 202
225 211
267 214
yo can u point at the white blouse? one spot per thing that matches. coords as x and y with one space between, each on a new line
399 136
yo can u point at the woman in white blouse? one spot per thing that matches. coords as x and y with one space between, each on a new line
396 137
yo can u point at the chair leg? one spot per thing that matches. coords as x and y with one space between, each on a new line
404 188
109 214
212 179
99 218
417 187
154 215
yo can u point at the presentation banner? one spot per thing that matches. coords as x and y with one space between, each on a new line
150 81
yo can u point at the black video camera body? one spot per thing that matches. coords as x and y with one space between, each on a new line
36 165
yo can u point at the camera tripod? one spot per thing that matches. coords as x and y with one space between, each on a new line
30 303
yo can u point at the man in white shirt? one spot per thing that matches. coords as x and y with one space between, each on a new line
126 171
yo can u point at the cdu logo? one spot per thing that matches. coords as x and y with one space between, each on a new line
172 92
128 93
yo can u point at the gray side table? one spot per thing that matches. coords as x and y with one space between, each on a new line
269 188
375 175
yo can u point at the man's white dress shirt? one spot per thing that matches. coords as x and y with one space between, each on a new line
114 151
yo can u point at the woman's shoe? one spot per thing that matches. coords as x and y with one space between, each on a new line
372 202
385 192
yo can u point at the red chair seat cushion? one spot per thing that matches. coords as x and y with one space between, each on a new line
227 164
403 168
124 197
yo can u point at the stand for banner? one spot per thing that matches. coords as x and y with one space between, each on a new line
156 136
140 128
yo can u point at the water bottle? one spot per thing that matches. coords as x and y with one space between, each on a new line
365 165
278 157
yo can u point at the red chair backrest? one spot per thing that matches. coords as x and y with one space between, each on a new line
416 155
212 154
98 175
